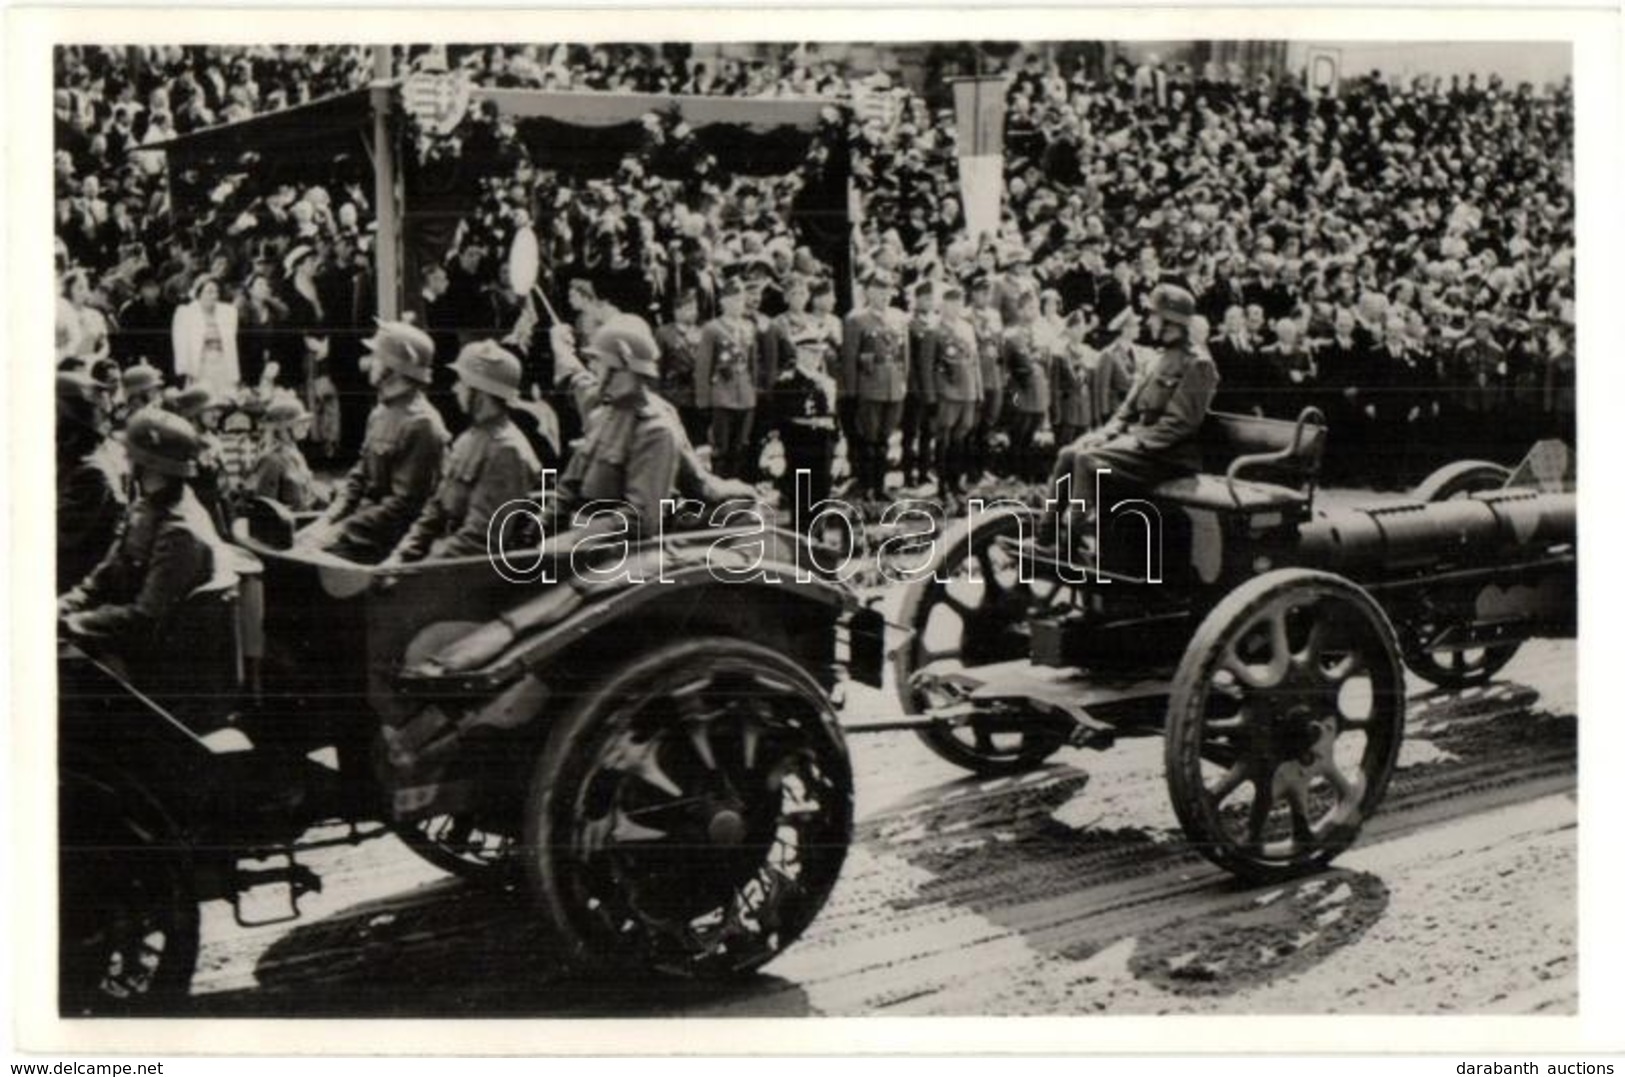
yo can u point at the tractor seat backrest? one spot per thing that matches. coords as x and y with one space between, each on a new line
1281 450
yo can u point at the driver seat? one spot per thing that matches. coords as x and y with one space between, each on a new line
1286 455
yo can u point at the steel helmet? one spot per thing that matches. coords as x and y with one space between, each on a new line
403 348
163 442
626 339
489 367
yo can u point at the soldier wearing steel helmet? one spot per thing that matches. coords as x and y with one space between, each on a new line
167 546
633 448
401 457
1152 435
491 462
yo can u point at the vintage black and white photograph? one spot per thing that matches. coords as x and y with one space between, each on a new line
974 528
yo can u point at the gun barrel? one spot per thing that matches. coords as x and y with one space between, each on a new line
1485 529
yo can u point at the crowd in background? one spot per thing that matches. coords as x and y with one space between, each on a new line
1398 255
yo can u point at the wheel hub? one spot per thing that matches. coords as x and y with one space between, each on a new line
726 827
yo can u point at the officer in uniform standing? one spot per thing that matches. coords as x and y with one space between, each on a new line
401 458
725 373
956 380
167 548
1152 436
679 343
989 329
875 366
491 462
919 408
1027 360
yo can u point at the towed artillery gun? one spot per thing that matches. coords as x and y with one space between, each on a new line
1266 639
660 764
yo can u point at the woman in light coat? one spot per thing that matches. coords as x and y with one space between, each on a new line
205 334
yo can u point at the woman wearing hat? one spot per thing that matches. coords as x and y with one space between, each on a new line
168 547
205 339
281 472
491 463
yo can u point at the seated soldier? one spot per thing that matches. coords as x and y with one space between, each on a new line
401 457
633 447
167 548
1152 436
281 472
491 462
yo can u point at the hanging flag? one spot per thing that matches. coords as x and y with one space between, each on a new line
979 111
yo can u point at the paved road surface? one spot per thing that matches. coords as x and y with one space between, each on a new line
1066 891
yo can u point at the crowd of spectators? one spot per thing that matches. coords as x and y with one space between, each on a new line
1398 253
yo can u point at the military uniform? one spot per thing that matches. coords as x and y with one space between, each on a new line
167 547
989 329
725 374
920 406
1027 360
491 464
875 366
679 357
401 461
627 455
956 384
1152 437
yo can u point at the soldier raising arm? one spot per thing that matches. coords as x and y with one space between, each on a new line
634 441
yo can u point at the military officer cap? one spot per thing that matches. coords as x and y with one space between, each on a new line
403 348
141 378
285 410
1173 304
625 339
162 442
489 367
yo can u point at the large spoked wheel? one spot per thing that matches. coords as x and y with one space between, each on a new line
1460 479
691 816
459 845
129 917
973 612
1454 667
1284 724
